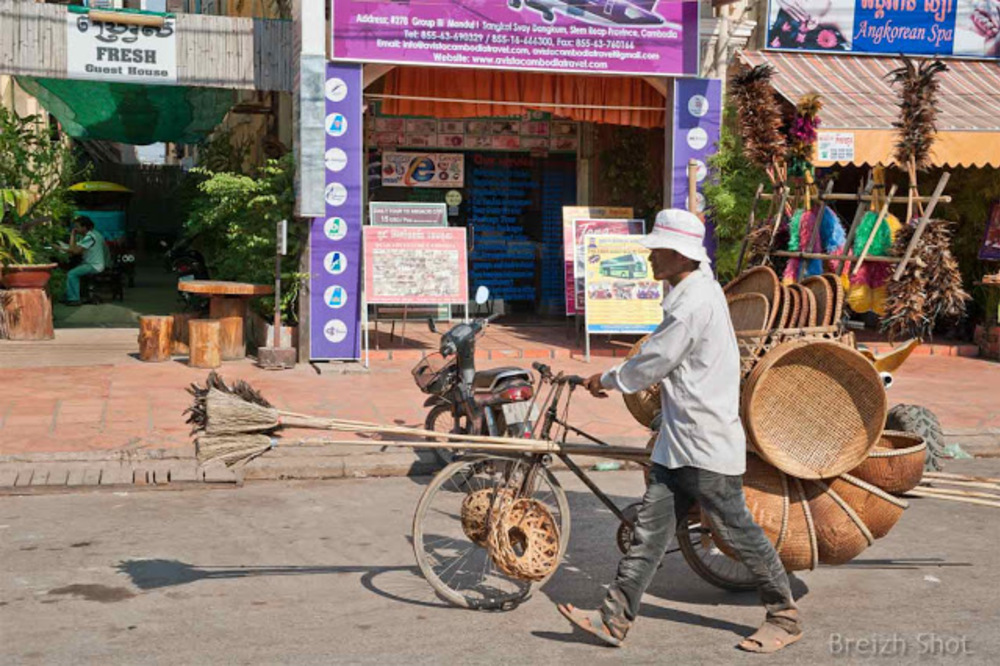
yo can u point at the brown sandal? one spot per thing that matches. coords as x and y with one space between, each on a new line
592 623
768 639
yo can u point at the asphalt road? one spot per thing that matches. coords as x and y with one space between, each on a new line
321 573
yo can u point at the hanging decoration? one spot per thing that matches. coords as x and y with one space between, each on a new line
866 289
802 145
801 228
760 119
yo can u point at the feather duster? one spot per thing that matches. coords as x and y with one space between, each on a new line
802 135
759 116
931 285
916 127
831 235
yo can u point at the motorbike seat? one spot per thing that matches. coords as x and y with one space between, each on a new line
485 380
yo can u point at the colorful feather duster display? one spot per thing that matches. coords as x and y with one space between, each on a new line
866 290
802 136
800 229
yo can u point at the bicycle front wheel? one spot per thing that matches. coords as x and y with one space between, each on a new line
459 568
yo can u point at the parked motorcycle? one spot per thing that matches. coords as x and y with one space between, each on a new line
186 263
494 402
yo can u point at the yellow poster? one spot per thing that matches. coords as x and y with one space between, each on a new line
621 294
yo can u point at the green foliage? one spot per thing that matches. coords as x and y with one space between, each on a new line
629 174
729 195
235 219
36 169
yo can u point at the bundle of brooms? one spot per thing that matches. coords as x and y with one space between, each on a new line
235 424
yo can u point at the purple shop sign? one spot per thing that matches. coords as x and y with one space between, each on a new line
335 240
697 121
583 36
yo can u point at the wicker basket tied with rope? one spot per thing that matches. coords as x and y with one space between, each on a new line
841 535
524 540
877 509
896 464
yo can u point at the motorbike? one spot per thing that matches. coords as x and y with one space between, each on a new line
186 263
495 402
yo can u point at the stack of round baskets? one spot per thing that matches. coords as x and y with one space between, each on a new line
822 473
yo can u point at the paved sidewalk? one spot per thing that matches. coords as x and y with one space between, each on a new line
85 399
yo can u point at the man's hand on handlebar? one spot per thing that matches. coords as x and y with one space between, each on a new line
593 384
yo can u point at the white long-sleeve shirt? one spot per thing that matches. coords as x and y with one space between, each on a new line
694 356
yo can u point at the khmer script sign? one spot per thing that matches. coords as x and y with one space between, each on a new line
120 53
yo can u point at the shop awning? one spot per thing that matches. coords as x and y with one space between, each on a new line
461 93
857 98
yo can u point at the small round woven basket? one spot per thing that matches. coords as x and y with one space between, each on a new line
784 309
799 551
896 464
760 280
837 288
524 540
748 312
476 511
823 293
841 535
813 408
877 509
642 405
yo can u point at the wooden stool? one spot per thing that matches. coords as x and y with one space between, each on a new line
28 313
204 337
179 340
155 335
231 312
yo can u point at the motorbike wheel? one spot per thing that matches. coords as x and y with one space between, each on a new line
440 419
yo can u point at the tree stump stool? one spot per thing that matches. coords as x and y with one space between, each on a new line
204 339
179 340
155 337
231 313
27 314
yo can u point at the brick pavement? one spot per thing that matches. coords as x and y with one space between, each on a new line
53 405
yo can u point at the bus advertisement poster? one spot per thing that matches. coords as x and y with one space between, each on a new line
620 295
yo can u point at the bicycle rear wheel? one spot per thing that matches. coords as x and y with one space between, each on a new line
714 566
459 569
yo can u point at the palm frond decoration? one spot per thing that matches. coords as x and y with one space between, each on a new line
759 117
918 84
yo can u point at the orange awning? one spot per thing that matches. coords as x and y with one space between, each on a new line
859 100
441 93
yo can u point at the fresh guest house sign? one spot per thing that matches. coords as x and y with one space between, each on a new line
120 53
599 36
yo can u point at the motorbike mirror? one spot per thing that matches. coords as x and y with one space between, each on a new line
482 295
431 325
163 243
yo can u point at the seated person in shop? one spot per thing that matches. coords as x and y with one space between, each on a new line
89 244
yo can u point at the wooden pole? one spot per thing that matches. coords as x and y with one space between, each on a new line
840 196
859 214
923 223
692 174
871 237
145 20
749 229
830 257
968 500
777 219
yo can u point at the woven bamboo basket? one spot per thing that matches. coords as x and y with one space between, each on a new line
877 509
642 405
765 489
754 345
749 312
896 464
807 306
841 535
794 306
476 510
822 292
784 310
837 288
813 408
799 551
760 280
524 541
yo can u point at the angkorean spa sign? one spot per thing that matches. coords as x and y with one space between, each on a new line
120 53
597 36
416 265
920 27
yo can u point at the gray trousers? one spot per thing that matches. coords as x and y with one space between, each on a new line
670 496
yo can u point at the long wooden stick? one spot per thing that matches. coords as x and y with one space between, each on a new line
871 238
963 493
968 500
960 477
825 255
841 196
778 217
859 214
965 484
750 223
817 230
923 223
636 454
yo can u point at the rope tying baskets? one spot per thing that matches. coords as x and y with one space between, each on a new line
524 540
896 464
877 509
840 534
813 409
642 405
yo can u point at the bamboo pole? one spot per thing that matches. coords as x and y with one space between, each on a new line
964 484
871 237
963 493
840 196
824 255
749 229
859 214
923 223
960 477
146 20
627 453
968 500
778 217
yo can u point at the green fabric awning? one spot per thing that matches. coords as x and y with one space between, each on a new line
131 113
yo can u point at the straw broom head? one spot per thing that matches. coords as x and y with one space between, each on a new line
231 449
198 411
229 414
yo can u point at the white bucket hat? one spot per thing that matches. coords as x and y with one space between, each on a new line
678 230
